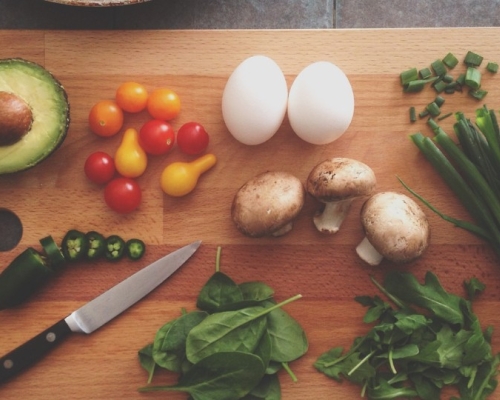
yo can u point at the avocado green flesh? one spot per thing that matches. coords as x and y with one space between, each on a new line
49 105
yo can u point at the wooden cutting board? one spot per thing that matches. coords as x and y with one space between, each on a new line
55 196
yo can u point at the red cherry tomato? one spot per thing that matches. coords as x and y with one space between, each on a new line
192 138
123 195
156 137
99 167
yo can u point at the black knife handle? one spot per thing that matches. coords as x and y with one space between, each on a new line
33 350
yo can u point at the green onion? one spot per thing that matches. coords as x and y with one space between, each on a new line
423 114
413 114
439 101
478 94
433 109
440 85
450 60
492 67
461 79
445 116
417 85
425 73
473 78
439 68
473 59
408 76
470 168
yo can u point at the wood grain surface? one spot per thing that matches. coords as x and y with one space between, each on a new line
55 196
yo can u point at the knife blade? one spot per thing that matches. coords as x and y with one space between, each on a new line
97 312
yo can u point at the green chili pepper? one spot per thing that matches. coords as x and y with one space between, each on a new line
55 257
26 273
135 248
115 248
96 245
74 245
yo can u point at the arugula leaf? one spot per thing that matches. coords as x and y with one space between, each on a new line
430 295
407 353
473 287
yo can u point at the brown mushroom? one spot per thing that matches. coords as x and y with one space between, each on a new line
336 183
15 118
267 204
395 228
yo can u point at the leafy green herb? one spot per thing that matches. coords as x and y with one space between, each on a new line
231 348
426 340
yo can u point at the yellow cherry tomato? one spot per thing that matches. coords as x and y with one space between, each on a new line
130 159
180 178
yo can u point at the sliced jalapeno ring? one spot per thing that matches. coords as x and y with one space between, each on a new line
74 245
115 248
55 257
22 277
135 248
96 245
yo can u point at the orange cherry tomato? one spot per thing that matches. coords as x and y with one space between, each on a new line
164 104
105 118
131 97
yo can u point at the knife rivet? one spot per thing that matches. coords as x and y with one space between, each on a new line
8 364
51 336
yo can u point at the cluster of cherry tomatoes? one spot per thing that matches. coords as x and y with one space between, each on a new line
156 137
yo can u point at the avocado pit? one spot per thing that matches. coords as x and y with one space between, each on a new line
16 118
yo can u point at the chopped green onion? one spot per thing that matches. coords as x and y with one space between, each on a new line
439 101
423 114
440 85
450 60
461 79
439 68
473 78
448 78
492 67
473 59
445 116
417 85
413 114
433 109
478 94
425 73
408 76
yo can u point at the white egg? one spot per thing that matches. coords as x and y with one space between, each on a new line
320 103
254 100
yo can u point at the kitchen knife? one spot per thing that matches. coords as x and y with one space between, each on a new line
97 312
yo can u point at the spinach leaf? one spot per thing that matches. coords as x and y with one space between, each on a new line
430 295
239 330
220 290
170 341
256 291
269 388
263 349
221 376
146 360
288 339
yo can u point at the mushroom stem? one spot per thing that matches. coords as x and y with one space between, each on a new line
368 253
330 219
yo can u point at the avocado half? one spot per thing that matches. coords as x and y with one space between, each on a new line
41 100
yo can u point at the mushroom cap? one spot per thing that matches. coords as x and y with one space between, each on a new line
267 203
395 226
340 179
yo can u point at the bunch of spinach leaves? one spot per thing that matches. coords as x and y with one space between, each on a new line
426 340
231 347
